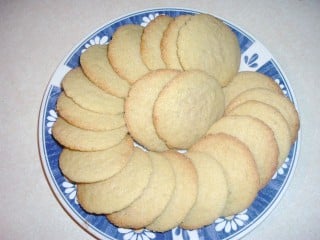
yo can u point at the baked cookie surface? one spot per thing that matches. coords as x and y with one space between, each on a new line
119 191
168 45
86 119
246 80
257 136
273 118
279 101
96 66
186 107
212 191
206 43
86 140
139 108
83 92
124 52
87 167
239 167
183 196
153 199
150 42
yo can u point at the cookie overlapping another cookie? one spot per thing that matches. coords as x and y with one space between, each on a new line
160 129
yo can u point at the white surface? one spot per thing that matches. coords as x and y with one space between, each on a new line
37 35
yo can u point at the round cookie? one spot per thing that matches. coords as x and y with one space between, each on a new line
82 118
206 43
258 137
247 80
95 64
152 201
184 194
279 101
239 167
168 45
124 52
86 140
139 108
83 92
119 191
212 192
150 42
186 107
273 118
87 167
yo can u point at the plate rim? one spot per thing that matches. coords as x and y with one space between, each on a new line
41 122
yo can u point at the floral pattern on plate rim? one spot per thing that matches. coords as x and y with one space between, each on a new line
223 228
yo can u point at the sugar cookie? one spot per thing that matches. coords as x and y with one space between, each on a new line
119 191
239 167
83 92
280 102
139 108
206 43
124 52
168 45
150 42
186 107
83 118
247 80
273 118
212 192
152 201
184 194
86 140
86 167
257 136
95 64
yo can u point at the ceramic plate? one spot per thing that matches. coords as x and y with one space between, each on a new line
254 57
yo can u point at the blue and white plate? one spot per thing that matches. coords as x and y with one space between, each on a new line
254 57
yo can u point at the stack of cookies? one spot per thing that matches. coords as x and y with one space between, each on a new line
160 129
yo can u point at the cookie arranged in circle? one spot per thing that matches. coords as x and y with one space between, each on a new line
153 199
273 118
168 45
247 80
87 167
95 64
86 94
160 131
139 108
124 52
279 101
183 196
258 137
212 192
186 107
85 119
239 167
206 43
150 42
86 140
119 191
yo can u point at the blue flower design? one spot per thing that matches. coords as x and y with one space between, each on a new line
94 41
231 223
147 19
251 61
281 170
70 190
179 233
281 86
141 234
52 118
